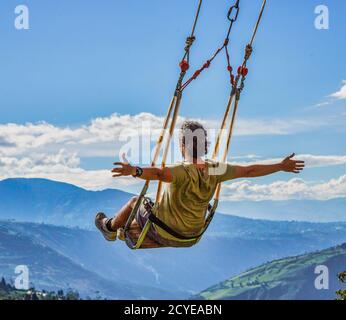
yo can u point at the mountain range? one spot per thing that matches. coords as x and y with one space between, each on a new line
50 269
40 200
53 222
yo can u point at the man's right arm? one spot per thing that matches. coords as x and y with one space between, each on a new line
125 169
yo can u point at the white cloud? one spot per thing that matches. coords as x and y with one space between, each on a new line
285 190
323 104
65 167
43 150
38 161
62 167
104 137
246 157
316 161
341 94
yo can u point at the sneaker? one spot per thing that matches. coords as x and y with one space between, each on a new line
101 221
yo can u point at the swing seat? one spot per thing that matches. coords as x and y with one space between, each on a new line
136 237
134 232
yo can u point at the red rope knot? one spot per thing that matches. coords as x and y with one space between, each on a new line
230 69
196 74
243 71
207 64
226 42
184 66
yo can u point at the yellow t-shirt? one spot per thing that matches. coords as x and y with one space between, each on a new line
185 201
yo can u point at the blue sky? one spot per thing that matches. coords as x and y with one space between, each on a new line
83 60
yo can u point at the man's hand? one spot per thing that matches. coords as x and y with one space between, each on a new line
125 169
290 165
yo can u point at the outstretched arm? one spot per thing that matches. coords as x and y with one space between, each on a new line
124 169
287 165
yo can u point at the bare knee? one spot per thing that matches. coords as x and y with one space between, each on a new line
133 201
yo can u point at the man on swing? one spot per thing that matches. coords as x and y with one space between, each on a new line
190 187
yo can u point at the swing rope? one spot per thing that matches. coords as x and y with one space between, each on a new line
242 73
170 122
234 10
236 92
232 16
238 85
185 61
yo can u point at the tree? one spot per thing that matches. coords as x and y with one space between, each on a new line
72 295
3 283
342 293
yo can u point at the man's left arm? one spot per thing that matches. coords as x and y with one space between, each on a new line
254 171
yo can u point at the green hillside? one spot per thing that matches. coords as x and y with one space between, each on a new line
285 279
9 292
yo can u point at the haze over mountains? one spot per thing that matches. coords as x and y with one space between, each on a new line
45 251
298 210
40 200
62 257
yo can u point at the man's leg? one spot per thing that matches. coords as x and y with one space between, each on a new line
109 227
122 216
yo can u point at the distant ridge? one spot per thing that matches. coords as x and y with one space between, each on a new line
42 200
284 279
